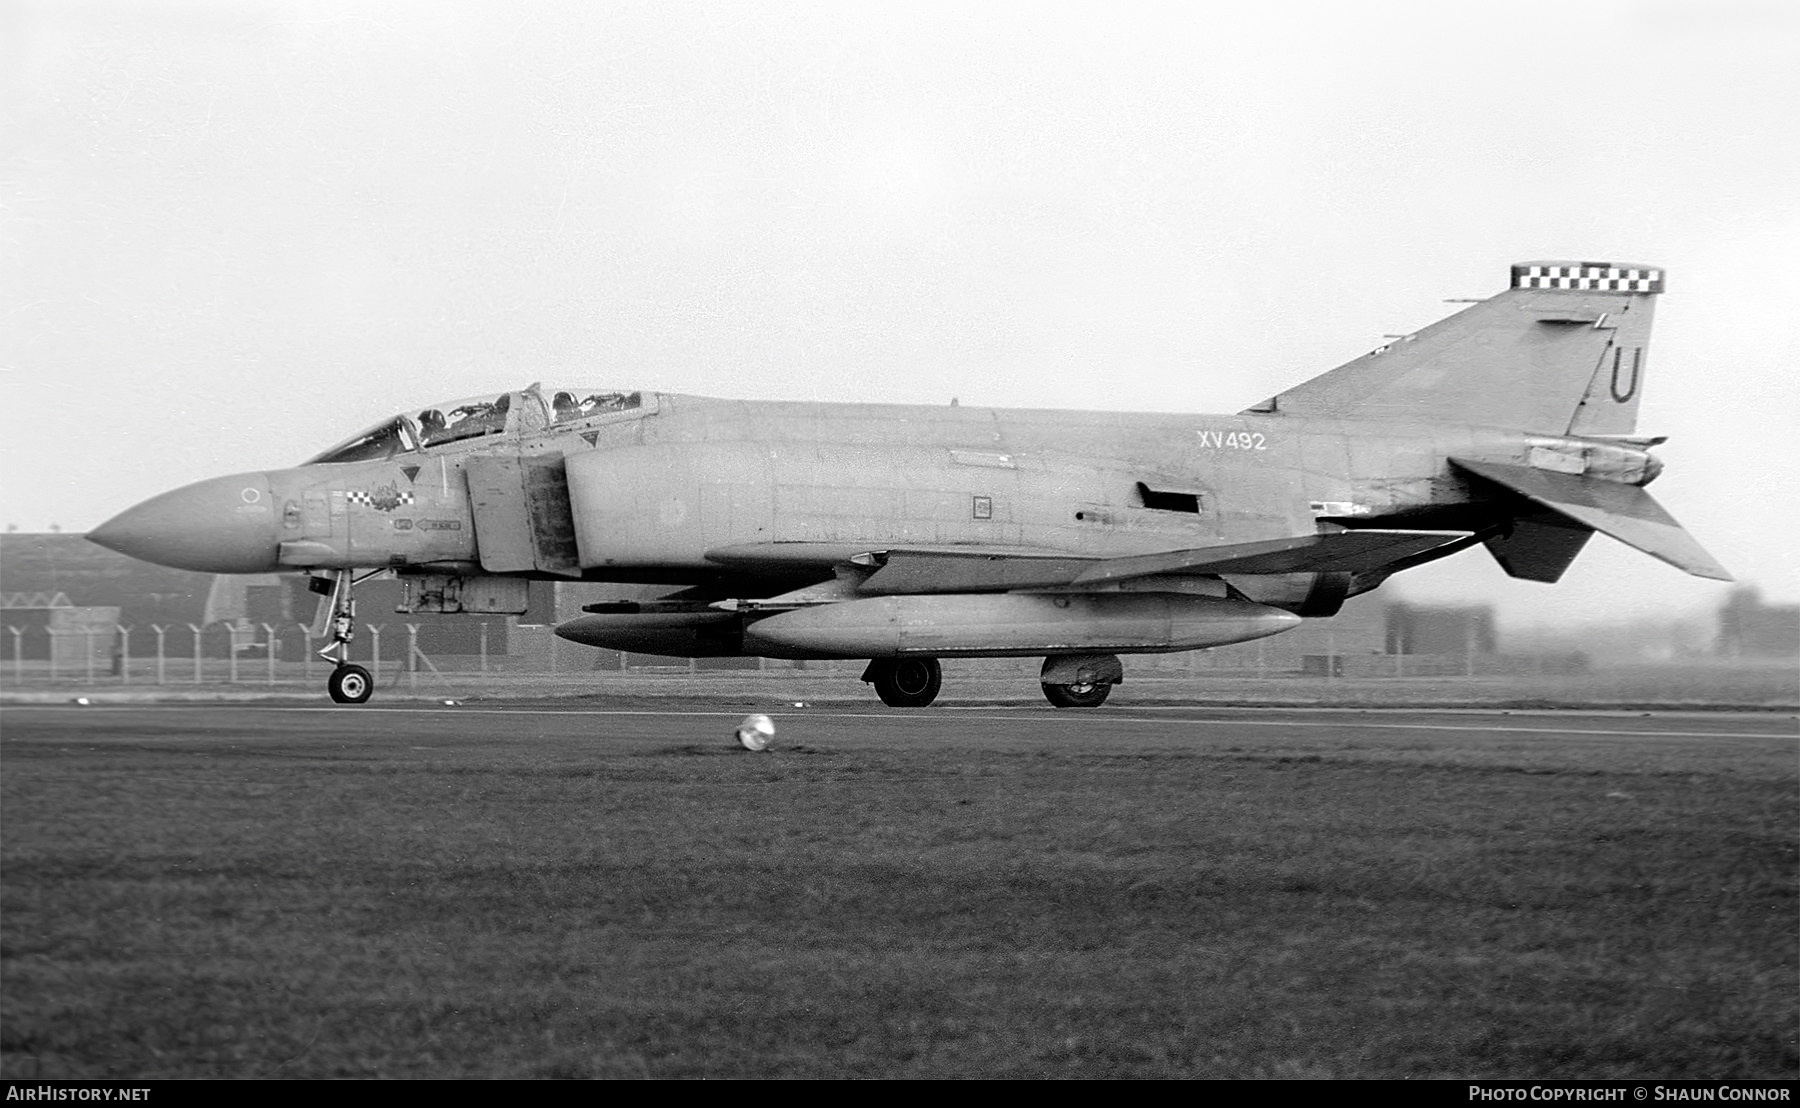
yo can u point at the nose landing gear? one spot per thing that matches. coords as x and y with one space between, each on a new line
348 683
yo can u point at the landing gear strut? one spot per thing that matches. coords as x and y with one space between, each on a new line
905 682
348 683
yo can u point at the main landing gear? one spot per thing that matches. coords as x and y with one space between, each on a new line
348 683
1082 694
1080 680
1068 681
905 682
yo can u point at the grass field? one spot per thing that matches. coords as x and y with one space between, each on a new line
233 893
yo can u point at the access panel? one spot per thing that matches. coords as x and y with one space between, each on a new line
522 517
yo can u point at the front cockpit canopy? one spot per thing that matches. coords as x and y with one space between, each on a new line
523 412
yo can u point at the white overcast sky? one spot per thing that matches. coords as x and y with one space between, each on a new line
231 233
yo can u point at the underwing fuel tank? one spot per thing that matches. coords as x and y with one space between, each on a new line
1013 625
705 634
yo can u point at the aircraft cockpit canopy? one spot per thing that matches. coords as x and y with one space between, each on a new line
463 419
385 439
526 411
574 405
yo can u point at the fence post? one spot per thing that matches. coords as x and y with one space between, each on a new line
231 650
88 634
412 656
306 651
18 634
52 634
158 628
124 654
375 653
196 631
484 627
269 644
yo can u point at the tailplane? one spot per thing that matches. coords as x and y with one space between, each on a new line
1570 507
1562 352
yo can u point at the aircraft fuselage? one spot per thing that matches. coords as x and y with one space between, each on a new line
671 493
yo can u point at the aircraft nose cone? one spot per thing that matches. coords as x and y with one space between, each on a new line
225 525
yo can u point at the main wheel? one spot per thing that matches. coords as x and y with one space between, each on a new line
907 682
350 684
1077 696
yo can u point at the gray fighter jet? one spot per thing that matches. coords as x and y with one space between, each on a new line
908 534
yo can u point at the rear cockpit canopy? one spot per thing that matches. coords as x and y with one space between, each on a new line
579 405
527 411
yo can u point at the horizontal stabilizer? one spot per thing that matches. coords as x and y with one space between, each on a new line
1626 512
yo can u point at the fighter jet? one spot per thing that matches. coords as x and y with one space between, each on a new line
905 534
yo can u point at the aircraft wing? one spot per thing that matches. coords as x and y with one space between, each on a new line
1626 512
1345 551
912 570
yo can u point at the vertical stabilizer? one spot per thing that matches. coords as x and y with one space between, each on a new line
1562 351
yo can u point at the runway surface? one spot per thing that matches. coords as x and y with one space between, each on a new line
642 727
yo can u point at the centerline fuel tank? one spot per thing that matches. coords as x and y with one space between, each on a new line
1012 625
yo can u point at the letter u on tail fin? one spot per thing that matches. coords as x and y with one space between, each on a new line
1561 352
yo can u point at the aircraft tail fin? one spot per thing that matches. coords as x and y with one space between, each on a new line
1562 351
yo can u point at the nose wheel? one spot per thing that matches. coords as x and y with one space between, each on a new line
348 683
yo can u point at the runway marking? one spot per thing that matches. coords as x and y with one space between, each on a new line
977 713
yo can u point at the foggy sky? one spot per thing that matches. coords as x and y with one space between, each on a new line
233 233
